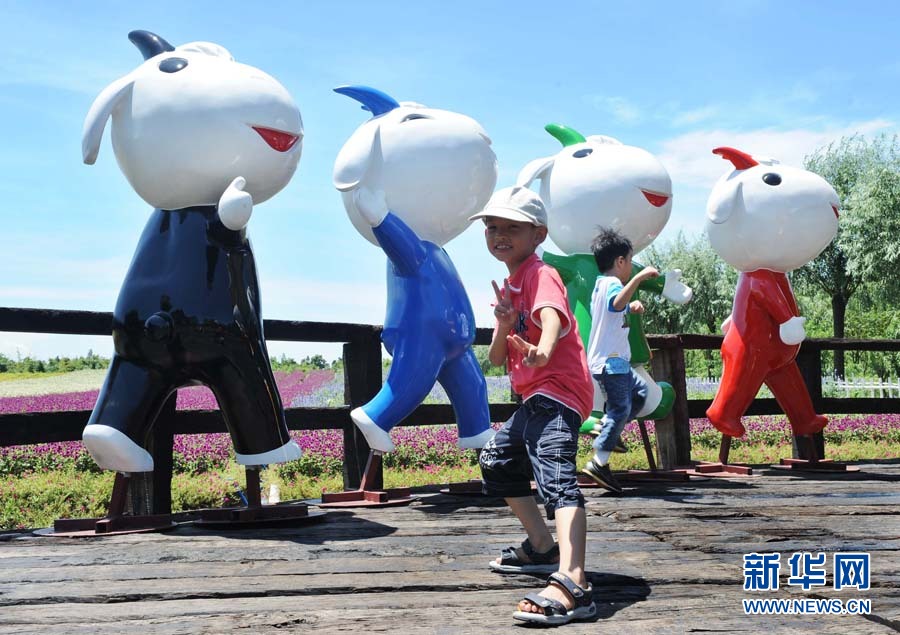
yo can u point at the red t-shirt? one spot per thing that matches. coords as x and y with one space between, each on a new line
565 379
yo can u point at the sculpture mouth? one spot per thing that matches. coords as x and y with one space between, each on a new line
836 214
278 140
655 199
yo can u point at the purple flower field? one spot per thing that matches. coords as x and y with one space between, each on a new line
418 448
775 430
290 385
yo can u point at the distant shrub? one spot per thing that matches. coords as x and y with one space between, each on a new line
310 465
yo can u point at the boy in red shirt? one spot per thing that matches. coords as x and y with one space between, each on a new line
537 338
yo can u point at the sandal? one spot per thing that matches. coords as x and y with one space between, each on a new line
555 613
546 562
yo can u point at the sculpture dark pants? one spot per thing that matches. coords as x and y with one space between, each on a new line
187 314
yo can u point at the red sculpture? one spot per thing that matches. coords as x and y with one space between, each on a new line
753 353
766 219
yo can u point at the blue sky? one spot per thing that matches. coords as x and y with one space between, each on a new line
677 78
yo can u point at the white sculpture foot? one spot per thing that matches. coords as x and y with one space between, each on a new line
477 442
377 438
113 450
290 451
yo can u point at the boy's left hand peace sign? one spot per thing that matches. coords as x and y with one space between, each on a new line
503 310
531 354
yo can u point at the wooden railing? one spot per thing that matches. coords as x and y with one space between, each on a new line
362 380
810 362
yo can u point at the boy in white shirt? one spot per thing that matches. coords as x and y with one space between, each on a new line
608 353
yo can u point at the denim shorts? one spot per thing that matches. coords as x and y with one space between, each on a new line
539 441
625 396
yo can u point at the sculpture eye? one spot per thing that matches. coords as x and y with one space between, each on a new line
172 64
580 154
413 116
770 178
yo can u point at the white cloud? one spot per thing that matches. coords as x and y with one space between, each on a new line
620 108
63 283
323 301
52 297
35 67
690 117
688 212
94 269
72 78
690 161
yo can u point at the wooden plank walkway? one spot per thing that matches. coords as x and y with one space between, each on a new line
663 559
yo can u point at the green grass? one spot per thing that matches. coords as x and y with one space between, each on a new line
37 499
33 376
847 451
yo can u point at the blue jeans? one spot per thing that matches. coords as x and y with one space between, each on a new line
540 440
625 396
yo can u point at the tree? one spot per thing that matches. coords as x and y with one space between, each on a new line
713 282
866 176
481 354
314 361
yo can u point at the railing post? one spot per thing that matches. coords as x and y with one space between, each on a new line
151 492
673 433
139 498
163 446
362 381
809 360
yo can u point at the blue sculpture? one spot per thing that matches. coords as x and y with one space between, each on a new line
410 178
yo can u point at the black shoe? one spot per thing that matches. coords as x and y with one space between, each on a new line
602 475
621 448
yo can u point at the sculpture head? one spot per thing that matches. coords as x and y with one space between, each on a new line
596 182
190 119
435 167
765 215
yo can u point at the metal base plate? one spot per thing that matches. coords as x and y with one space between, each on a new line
282 514
109 526
367 498
825 465
720 470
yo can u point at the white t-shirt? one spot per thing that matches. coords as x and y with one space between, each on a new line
609 328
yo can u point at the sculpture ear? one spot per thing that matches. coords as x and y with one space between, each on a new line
723 201
100 111
537 169
357 157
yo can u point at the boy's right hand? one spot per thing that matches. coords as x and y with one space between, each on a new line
503 310
648 272
531 354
